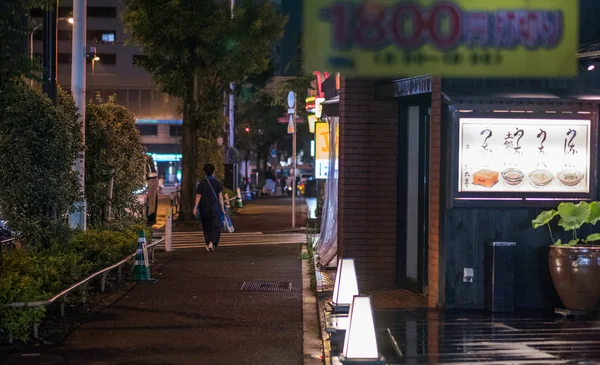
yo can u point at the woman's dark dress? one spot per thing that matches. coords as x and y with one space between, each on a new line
210 209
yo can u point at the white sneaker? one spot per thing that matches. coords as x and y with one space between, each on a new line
210 247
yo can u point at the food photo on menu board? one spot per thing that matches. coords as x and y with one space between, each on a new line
524 155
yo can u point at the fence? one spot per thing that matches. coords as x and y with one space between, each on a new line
9 244
82 285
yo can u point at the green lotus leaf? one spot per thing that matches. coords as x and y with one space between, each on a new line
593 237
573 216
558 242
594 213
544 218
572 243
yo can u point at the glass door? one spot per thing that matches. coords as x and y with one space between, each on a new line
413 207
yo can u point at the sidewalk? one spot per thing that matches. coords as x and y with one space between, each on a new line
196 314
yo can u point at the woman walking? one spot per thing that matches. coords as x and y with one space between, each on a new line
210 206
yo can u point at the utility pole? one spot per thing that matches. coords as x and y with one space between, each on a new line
231 107
49 54
291 101
77 219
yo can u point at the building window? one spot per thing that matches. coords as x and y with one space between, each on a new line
92 12
63 35
101 35
175 130
108 37
147 129
102 12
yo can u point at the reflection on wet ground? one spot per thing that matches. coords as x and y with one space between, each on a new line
433 337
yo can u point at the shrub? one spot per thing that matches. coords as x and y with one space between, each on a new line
102 248
30 275
229 192
38 144
19 283
112 143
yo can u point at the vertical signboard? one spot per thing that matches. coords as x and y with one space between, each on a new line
321 150
459 38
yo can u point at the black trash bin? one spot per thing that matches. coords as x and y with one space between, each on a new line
500 276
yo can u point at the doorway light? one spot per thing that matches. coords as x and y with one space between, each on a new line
360 342
346 285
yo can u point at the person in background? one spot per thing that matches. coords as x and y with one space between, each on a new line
283 184
161 183
210 206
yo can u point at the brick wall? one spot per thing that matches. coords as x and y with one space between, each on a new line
434 191
367 199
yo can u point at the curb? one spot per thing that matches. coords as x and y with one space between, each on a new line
312 346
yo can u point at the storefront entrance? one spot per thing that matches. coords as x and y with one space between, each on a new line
413 192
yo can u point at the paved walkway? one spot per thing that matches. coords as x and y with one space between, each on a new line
196 314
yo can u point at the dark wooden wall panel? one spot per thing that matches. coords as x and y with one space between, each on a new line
468 231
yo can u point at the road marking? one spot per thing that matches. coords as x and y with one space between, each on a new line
195 240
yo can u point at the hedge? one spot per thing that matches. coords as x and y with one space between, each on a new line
29 275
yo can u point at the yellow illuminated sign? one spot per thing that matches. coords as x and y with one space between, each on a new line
312 119
322 141
468 38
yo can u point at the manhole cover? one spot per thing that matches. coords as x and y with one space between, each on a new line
266 286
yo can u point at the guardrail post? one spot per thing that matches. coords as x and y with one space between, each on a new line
169 230
120 272
35 331
83 293
103 281
62 308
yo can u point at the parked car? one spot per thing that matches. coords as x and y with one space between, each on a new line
148 195
5 232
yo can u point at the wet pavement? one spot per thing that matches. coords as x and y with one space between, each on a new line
433 337
196 312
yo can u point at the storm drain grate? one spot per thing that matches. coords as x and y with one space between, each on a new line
266 286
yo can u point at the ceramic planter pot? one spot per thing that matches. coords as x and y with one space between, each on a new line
575 273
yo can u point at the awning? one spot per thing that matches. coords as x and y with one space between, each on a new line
331 107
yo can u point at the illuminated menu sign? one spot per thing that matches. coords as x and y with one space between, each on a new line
524 155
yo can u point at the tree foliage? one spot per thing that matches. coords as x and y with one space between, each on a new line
259 114
38 144
197 51
14 30
112 143
210 151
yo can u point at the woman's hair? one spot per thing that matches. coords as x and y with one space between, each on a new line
209 169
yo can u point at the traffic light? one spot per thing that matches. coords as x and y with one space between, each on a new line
247 130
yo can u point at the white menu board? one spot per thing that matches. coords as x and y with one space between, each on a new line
524 155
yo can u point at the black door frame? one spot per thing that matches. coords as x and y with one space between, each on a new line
424 104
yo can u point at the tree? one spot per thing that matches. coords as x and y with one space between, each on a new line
38 144
14 61
198 50
112 146
258 128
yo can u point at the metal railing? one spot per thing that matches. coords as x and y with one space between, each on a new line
82 285
9 244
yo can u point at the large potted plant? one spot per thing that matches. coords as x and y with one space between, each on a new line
574 264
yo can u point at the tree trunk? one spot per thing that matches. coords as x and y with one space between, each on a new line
189 160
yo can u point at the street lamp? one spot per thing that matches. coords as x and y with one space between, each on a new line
94 56
69 20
